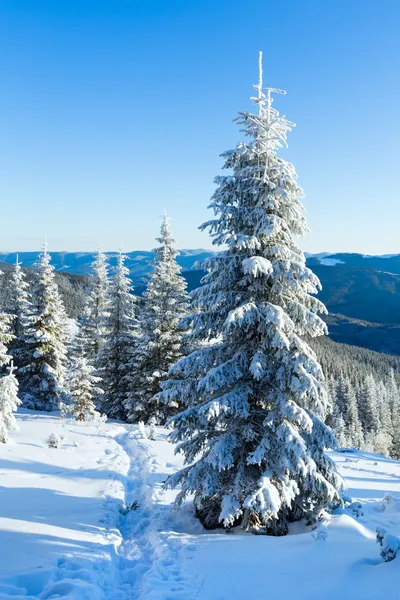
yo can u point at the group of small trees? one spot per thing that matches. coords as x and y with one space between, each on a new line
33 334
132 345
115 356
366 416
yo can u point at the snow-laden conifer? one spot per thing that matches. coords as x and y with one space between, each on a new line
346 409
369 411
393 400
252 429
161 336
83 385
383 441
9 402
8 383
94 318
20 308
353 424
394 404
42 377
6 337
114 362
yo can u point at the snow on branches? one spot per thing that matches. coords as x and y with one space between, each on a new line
252 393
161 334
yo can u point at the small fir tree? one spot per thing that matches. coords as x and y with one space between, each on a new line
8 383
6 338
161 341
83 388
394 404
115 359
340 430
393 397
20 307
347 408
369 411
383 441
93 322
252 429
8 403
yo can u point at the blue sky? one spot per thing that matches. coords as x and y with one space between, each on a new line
111 111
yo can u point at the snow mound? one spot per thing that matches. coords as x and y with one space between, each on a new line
331 262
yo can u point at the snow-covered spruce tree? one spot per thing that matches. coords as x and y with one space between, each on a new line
369 411
114 362
20 307
83 384
161 336
393 394
9 402
340 430
8 383
394 404
383 440
346 409
94 318
335 417
42 377
252 430
353 424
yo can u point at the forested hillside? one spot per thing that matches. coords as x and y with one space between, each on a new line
363 303
72 287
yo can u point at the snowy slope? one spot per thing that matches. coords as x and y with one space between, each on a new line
90 521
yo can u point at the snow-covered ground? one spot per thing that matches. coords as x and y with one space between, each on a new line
90 521
331 262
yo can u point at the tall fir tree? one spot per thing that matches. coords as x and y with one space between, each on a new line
42 377
252 429
161 341
20 307
114 362
94 319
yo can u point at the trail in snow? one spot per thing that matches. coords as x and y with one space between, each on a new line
156 540
89 521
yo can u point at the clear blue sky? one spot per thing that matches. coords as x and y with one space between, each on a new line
111 111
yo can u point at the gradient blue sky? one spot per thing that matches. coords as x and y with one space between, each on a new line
111 111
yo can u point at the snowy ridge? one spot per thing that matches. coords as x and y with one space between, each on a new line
91 521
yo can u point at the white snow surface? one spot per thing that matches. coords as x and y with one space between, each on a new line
90 521
331 262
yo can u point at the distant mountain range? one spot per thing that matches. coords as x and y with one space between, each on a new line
138 261
389 263
362 293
